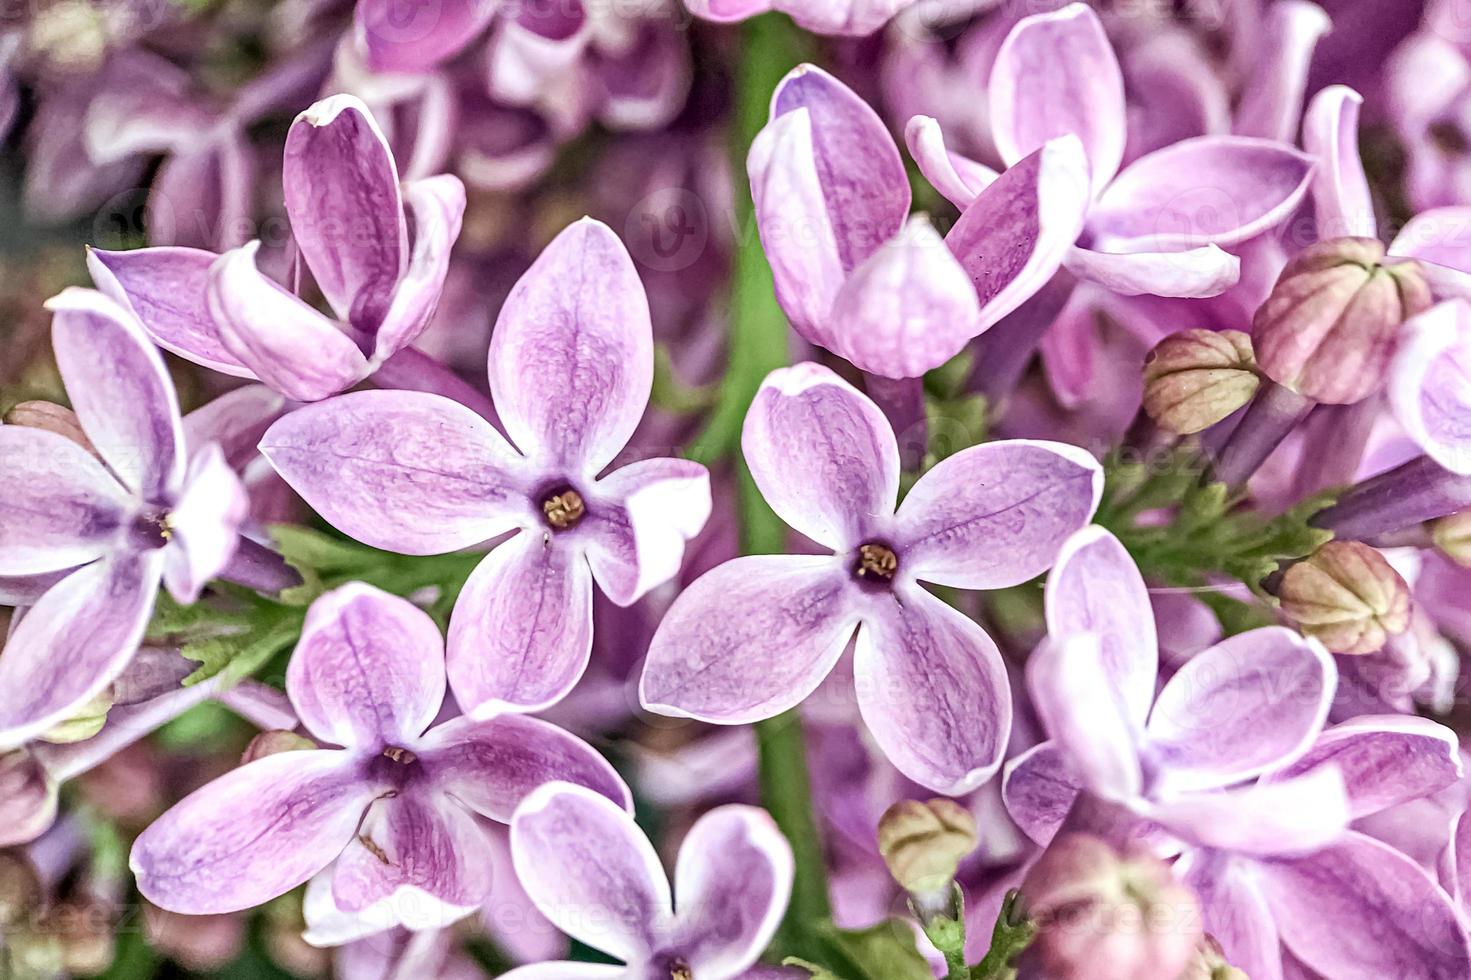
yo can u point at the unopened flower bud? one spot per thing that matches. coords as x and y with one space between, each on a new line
1210 964
274 742
85 930
27 798
1195 378
1328 329
1347 596
1103 916
88 721
51 417
20 889
1452 536
924 843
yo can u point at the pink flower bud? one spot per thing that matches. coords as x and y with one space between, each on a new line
1452 536
51 417
27 798
1195 378
1347 596
272 742
924 843
1328 329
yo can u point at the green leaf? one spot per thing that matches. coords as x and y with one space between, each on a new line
670 394
238 655
306 549
885 951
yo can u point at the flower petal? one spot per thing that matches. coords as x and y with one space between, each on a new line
823 455
408 36
1430 383
1076 697
71 644
558 970
591 871
1440 238
1095 587
908 308
1015 235
491 766
731 882
1342 205
59 507
368 669
205 524
639 522
521 632
426 859
958 178
572 355
236 421
1191 274
1056 74
165 287
400 470
1359 909
1252 703
1272 103
251 835
120 390
438 207
933 691
1039 788
1209 190
347 216
1295 816
749 639
997 514
1236 912
1385 760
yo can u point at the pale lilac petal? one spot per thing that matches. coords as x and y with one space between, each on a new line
410 36
1096 588
1209 190
1236 912
204 523
401 470
119 388
368 669
1077 698
908 308
749 639
59 507
533 47
1252 703
797 231
421 847
997 514
958 178
727 11
731 885
1430 383
1360 910
166 288
438 207
491 766
1272 104
252 834
1014 236
236 421
591 871
1295 816
933 691
1385 760
1055 75
1330 132
640 519
1440 238
71 644
521 632
283 341
851 18
1191 274
572 355
347 216
864 186
557 970
823 455
1039 788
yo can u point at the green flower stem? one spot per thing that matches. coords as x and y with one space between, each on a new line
786 791
1013 933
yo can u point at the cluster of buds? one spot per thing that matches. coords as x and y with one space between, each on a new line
1347 596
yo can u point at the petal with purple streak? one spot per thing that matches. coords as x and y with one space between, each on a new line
204 523
368 669
59 507
521 632
438 208
1342 205
251 835
1078 700
401 470
997 514
1039 788
572 355
1235 911
958 178
933 691
534 48
749 639
236 421
639 521
1430 383
409 36
1189 274
1272 103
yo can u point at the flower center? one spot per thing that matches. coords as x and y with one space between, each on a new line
150 530
400 755
563 509
876 563
679 969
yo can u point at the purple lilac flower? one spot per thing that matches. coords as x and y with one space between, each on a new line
350 220
98 533
590 870
1430 384
571 363
757 635
393 810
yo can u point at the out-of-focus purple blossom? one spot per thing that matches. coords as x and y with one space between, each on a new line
571 365
392 810
757 635
100 532
592 872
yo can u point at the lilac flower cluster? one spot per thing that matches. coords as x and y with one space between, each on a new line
738 490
